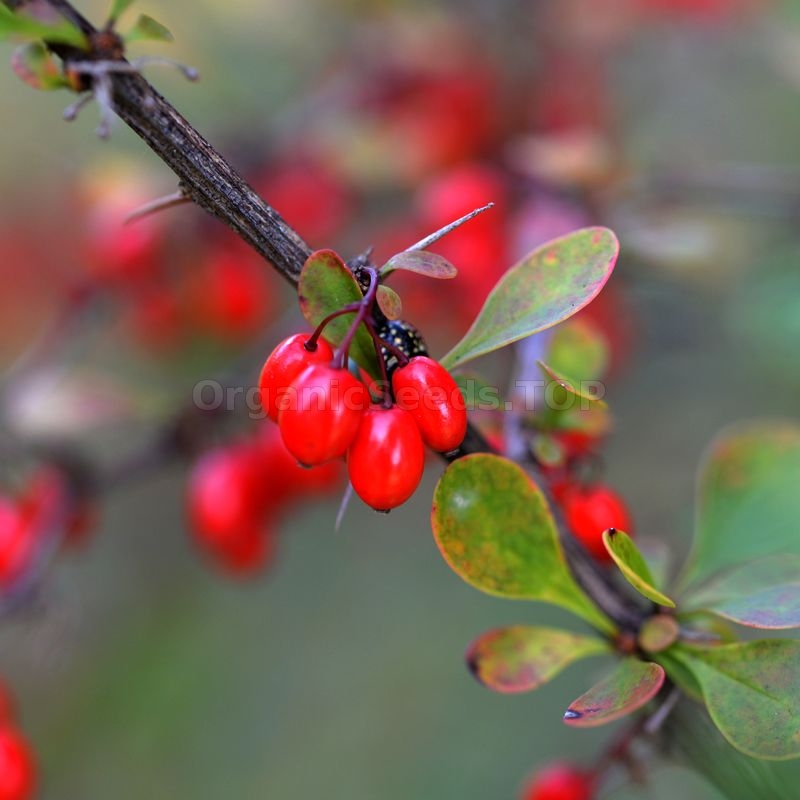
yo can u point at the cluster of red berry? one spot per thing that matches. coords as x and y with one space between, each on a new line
17 761
237 494
325 413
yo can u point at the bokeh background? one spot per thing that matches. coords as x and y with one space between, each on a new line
141 671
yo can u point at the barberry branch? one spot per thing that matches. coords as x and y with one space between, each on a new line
206 177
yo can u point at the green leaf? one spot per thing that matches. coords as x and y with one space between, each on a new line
495 530
751 690
422 262
632 684
147 29
327 285
743 581
389 302
37 66
522 658
577 349
546 287
748 499
118 8
679 674
571 387
773 608
19 25
632 565
691 738
658 633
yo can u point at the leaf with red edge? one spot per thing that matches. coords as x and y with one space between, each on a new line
423 262
546 287
36 65
522 658
327 285
494 528
632 684
751 691
389 302
773 608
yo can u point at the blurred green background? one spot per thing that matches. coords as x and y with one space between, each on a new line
339 674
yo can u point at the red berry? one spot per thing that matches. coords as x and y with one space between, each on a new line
387 458
283 479
250 552
321 413
425 389
284 364
226 509
590 511
559 781
16 540
17 767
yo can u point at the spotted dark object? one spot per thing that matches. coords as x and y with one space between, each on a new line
405 337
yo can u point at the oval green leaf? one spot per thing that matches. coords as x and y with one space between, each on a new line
773 608
578 349
495 530
751 690
632 684
522 658
632 565
389 302
748 500
58 31
326 285
546 287
119 7
423 262
147 29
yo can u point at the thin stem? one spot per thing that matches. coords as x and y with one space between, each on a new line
311 344
422 244
365 308
178 198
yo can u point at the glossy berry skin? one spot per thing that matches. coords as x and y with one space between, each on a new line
284 364
559 781
387 458
591 510
17 766
322 414
425 389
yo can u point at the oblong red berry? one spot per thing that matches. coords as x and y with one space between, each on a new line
321 413
284 364
588 511
560 781
425 389
387 458
17 766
